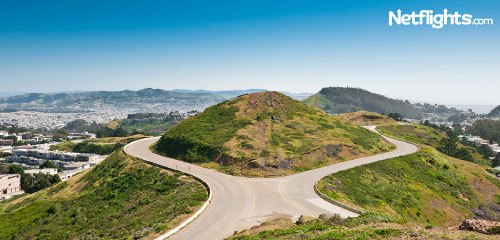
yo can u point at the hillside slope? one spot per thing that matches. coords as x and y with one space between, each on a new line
367 226
424 188
365 118
121 198
268 134
495 112
341 100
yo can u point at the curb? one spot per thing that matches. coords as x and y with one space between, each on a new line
342 205
335 202
196 214
188 221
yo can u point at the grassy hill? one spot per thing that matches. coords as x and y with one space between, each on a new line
341 100
426 188
121 198
266 133
435 138
365 227
415 133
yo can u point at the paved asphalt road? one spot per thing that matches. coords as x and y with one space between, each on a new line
239 203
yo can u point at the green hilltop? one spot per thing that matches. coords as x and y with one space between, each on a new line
268 134
338 100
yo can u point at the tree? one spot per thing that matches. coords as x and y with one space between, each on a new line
496 161
49 164
396 116
38 181
464 153
109 132
15 169
448 146
60 135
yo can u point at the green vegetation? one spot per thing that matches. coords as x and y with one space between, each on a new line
266 134
496 161
80 125
367 226
48 164
153 124
121 198
151 128
426 187
341 100
364 118
199 138
414 133
487 129
442 138
102 146
31 183
109 132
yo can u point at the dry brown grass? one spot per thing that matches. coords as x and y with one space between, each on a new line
365 118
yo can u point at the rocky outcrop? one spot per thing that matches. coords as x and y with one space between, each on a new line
481 226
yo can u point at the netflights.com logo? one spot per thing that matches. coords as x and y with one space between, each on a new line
436 20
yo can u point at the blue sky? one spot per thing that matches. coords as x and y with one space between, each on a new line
298 46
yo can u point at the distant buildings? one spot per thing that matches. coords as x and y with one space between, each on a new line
65 175
51 171
81 135
6 142
479 141
10 185
33 158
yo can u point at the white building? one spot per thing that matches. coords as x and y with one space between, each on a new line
77 165
51 171
65 175
10 185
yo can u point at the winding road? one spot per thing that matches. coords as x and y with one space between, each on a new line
239 203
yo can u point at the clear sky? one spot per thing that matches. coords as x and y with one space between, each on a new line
297 46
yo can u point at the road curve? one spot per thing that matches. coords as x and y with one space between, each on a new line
239 203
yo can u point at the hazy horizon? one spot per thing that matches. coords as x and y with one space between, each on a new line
480 108
292 46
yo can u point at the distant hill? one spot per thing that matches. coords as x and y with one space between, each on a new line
144 100
495 112
342 100
9 94
267 134
228 94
